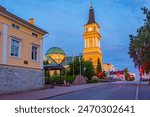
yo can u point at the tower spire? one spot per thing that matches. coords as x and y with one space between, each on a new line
91 6
91 15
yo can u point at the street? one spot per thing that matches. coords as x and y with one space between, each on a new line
111 91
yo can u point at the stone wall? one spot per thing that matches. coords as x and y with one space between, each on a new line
14 79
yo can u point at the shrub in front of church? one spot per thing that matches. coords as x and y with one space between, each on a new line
56 79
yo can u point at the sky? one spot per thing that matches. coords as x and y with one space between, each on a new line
65 20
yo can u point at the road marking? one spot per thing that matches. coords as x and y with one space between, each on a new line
137 92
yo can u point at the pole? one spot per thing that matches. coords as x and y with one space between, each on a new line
60 78
65 67
80 64
59 58
73 63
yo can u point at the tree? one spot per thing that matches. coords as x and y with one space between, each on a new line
99 68
139 47
76 66
127 75
45 62
87 68
132 78
104 74
55 73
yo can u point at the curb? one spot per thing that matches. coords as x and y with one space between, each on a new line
71 92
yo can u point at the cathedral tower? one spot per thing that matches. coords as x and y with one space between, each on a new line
92 38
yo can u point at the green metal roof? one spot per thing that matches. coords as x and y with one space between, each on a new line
55 50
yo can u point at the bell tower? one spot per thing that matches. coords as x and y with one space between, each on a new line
92 50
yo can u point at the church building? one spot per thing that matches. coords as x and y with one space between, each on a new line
91 51
92 38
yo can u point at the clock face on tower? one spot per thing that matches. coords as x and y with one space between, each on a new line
89 29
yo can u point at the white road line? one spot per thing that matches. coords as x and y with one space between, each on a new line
137 92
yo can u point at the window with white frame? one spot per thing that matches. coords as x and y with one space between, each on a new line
15 46
34 52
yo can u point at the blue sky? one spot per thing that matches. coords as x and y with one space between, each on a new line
65 20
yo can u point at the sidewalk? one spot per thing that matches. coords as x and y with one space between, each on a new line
43 94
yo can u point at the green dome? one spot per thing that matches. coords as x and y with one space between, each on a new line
55 50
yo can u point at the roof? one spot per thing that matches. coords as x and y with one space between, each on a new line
108 64
66 61
55 50
46 57
5 13
91 16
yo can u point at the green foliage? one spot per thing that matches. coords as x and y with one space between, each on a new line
45 62
104 74
46 72
100 73
87 68
99 66
127 75
64 72
56 79
55 73
76 66
139 47
132 78
126 72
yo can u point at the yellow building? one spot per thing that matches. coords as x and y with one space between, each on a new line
21 56
107 67
92 38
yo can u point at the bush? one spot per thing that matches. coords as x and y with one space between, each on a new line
69 79
56 79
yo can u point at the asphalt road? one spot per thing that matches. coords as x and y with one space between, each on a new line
112 91
144 92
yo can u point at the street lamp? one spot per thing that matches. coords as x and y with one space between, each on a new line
84 70
80 63
73 63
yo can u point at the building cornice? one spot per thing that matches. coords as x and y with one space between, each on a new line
21 21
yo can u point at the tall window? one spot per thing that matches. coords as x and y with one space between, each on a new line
15 45
34 52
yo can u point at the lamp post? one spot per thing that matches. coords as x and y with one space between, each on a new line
80 63
73 63
84 70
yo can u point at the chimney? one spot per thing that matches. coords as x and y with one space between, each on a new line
31 21
2 8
